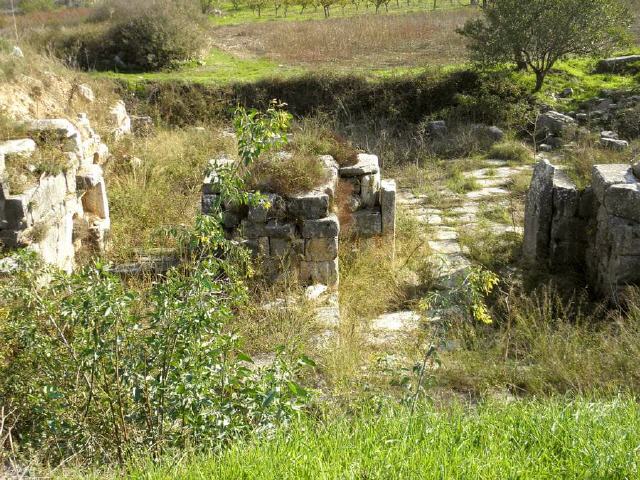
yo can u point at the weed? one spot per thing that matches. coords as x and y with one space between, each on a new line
286 174
460 183
510 151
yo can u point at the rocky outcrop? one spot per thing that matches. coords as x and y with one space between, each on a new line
56 215
596 229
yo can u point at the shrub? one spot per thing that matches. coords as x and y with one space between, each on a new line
153 40
314 137
94 369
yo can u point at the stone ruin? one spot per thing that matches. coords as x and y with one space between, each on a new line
301 232
60 215
595 230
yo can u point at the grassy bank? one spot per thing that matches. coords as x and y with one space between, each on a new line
532 440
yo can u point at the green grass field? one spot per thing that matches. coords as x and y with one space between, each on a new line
549 439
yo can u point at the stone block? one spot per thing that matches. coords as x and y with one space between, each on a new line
50 193
388 206
603 176
280 229
279 247
64 131
331 185
231 219
366 165
89 176
250 229
95 201
327 227
367 223
623 200
321 249
325 273
22 147
211 184
209 203
554 123
614 144
310 205
257 246
11 239
538 213
370 190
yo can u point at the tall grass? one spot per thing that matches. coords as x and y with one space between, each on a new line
532 440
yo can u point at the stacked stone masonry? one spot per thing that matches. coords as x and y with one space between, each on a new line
300 233
596 230
56 215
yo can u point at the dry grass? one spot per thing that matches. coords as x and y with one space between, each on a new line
371 40
163 191
287 175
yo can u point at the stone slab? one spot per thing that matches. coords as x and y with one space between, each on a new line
367 164
388 206
327 227
368 223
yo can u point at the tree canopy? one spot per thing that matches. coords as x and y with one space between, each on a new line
538 33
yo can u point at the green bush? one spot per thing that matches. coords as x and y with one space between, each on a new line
92 368
130 38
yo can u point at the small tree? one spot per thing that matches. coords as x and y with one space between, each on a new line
538 33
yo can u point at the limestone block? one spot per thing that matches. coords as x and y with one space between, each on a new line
623 200
388 206
538 213
279 229
279 247
250 229
257 246
603 176
615 64
310 205
50 192
211 181
64 130
325 273
120 120
367 223
86 92
209 203
332 168
277 208
321 249
327 227
258 213
95 201
554 123
370 192
89 177
22 147
231 219
366 165
614 144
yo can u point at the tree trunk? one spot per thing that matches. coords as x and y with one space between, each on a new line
539 80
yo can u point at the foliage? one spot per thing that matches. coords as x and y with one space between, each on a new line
259 132
471 293
538 33
511 151
136 371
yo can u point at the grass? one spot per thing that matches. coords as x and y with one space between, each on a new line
459 183
511 151
163 191
580 160
533 440
287 175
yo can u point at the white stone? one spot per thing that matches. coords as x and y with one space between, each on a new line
366 165
86 92
24 147
314 292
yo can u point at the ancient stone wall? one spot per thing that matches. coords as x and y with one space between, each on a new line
301 232
596 230
56 215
